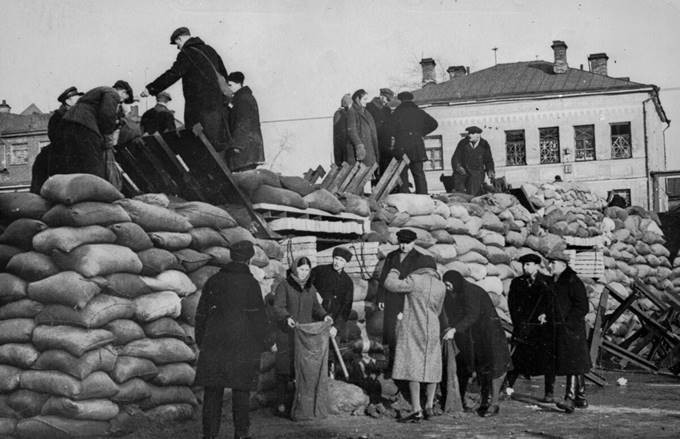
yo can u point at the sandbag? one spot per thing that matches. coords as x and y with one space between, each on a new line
32 266
204 237
11 288
472 257
100 359
490 238
27 402
549 243
201 276
516 239
66 288
491 284
171 280
250 181
132 236
21 355
189 305
74 188
156 260
473 226
157 199
164 327
94 409
156 305
324 200
297 184
175 374
236 234
16 330
191 259
98 312
7 252
202 214
68 238
220 256
355 204
55 427
125 285
127 368
491 222
132 391
83 214
443 253
459 211
99 260
171 240
24 308
76 341
413 204
168 395
460 267
171 412
14 205
96 385
423 238
10 377
477 271
19 233
159 350
456 226
124 331
427 222
154 218
271 248
276 195
399 218
497 255
442 237
465 244
260 258
346 398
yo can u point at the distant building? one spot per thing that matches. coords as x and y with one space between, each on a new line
545 119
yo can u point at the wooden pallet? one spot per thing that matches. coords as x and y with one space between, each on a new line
586 263
286 218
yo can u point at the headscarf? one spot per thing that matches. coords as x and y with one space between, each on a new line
456 279
294 272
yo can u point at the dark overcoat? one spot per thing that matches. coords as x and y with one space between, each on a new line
528 298
41 166
571 307
336 291
408 125
340 136
381 116
361 130
231 328
244 126
299 302
158 119
479 334
470 164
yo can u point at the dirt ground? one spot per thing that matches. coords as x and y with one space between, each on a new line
647 407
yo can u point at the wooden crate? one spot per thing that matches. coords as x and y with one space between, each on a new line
287 218
587 263
298 246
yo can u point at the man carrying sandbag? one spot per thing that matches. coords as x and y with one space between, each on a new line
231 327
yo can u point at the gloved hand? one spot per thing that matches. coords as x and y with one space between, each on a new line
461 170
491 175
448 335
333 331
328 319
360 152
290 322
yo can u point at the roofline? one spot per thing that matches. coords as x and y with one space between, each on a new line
23 133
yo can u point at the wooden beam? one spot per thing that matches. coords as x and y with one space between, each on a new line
384 178
360 181
188 180
392 182
635 359
598 331
330 176
358 166
340 177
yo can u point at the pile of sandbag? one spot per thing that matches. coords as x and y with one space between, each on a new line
98 298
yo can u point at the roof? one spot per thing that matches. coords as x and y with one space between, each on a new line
18 124
521 79
31 109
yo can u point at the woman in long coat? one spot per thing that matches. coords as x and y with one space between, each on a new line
295 301
418 354
362 135
471 316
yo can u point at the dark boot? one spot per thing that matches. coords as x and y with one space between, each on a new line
489 404
580 400
569 395
549 395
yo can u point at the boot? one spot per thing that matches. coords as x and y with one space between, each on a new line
569 395
489 405
549 386
580 399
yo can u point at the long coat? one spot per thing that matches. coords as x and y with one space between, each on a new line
381 116
231 327
244 125
534 342
361 130
340 136
300 303
336 291
479 334
408 125
203 98
571 307
158 119
418 354
470 164
41 166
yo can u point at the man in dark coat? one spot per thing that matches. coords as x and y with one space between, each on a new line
340 130
408 125
362 137
571 346
530 302
198 65
246 149
231 327
406 259
471 319
381 112
160 118
41 166
335 286
470 161
88 132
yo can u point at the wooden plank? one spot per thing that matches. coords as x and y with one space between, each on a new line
330 177
169 185
357 187
597 331
339 177
623 307
317 173
595 379
385 177
635 359
358 166
132 167
187 179
394 179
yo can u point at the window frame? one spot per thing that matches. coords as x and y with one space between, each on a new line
612 141
23 146
516 144
540 145
576 143
432 163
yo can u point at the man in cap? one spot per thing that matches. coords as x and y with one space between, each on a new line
381 112
231 329
88 132
340 130
246 149
160 118
335 286
200 68
571 348
407 127
470 161
531 303
41 166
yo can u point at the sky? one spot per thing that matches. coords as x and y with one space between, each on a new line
301 56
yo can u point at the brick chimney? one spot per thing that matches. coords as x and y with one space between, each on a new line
429 74
560 49
4 107
598 63
456 71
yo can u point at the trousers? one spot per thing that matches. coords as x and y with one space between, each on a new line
419 179
212 411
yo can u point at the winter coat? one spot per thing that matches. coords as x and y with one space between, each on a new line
158 119
534 342
470 164
336 291
53 126
408 125
231 327
41 166
361 131
479 334
571 307
418 353
244 126
381 116
97 110
300 303
340 136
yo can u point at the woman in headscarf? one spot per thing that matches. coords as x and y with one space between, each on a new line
362 135
471 319
418 353
295 302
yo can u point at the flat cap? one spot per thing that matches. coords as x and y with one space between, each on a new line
236 77
557 255
124 85
179 31
530 257
473 130
164 95
69 92
406 236
405 96
343 253
387 93
241 251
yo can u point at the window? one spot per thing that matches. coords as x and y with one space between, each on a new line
621 144
623 193
549 144
435 153
18 154
515 148
584 136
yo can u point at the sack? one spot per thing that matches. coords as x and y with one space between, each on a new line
355 204
32 266
24 308
66 288
220 256
171 280
19 355
466 244
442 237
126 285
191 259
201 276
490 238
159 350
127 368
76 341
322 199
7 252
171 240
99 260
155 199
94 409
156 305
204 237
132 391
55 427
473 257
98 312
496 255
236 234
27 402
259 259
271 248
413 204
156 260
427 222
74 188
189 305
95 385
276 195
168 395
15 205
297 184
132 236
101 359
19 233
87 213
16 330
202 214
491 284
155 218
68 238
171 412
124 331
250 181
11 288
175 374
9 378
443 253
164 327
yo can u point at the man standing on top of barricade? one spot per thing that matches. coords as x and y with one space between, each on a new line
381 112
159 118
246 149
470 161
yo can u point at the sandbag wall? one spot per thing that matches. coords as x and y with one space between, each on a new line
97 304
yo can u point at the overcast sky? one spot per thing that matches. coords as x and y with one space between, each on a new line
301 56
